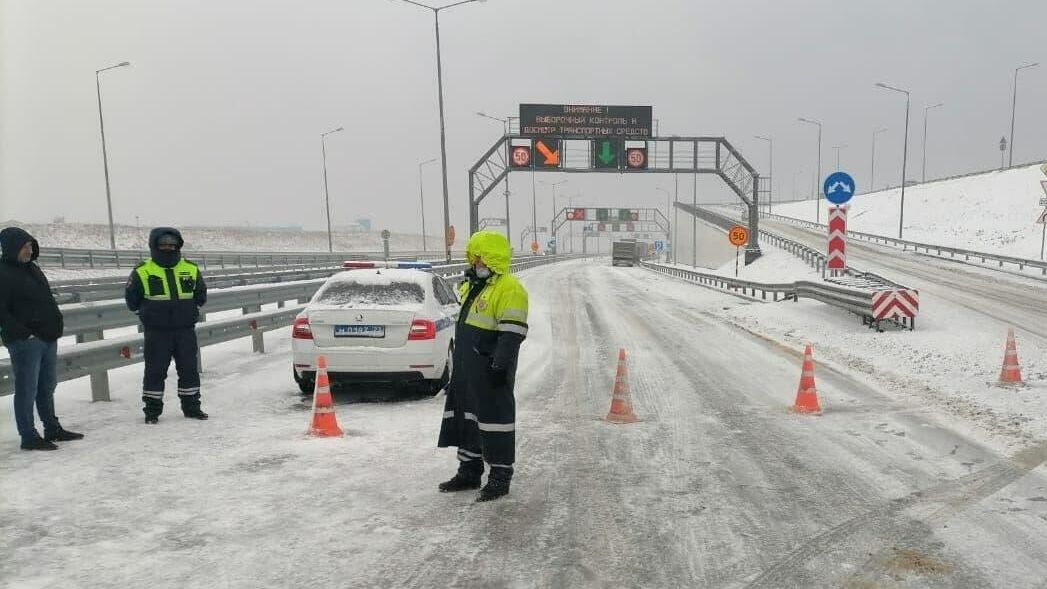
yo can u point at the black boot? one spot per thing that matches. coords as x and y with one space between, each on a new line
495 488
38 444
153 408
191 407
62 435
460 482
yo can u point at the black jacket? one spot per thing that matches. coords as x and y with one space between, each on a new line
165 314
27 307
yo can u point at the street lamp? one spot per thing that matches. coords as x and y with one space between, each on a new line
552 226
818 196
327 198
905 153
923 174
421 198
770 172
506 125
105 156
1014 104
837 148
440 90
872 170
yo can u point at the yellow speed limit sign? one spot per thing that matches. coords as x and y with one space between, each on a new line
738 235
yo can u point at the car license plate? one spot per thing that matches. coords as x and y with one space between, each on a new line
359 331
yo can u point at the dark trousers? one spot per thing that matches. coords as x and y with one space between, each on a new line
161 345
33 363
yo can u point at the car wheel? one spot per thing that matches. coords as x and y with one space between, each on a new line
435 386
306 385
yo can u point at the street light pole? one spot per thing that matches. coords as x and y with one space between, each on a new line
837 148
1014 105
818 196
105 156
440 90
506 125
923 173
552 219
872 171
421 199
905 153
770 172
327 198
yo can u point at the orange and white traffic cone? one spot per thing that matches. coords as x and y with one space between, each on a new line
621 408
325 424
807 394
1012 372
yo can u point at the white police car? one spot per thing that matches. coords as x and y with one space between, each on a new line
378 322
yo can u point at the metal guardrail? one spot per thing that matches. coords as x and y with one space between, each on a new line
850 299
93 258
931 249
94 356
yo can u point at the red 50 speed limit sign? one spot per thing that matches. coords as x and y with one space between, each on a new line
738 236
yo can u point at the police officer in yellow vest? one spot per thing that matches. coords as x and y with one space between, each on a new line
167 292
480 412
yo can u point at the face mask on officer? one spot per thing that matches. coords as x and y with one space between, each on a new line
481 270
167 254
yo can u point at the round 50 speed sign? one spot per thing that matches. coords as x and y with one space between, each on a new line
738 236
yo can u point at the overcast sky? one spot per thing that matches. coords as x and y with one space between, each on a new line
218 119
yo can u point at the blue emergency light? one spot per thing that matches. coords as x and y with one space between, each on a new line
364 265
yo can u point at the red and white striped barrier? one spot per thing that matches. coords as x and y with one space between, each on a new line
836 260
888 304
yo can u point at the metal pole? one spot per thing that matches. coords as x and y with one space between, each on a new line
327 197
443 136
694 223
421 199
534 209
1043 239
105 164
905 163
1014 105
817 181
676 212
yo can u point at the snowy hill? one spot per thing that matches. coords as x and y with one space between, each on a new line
96 236
992 212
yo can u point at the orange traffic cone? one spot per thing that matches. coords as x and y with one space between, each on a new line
325 424
621 408
1011 373
807 395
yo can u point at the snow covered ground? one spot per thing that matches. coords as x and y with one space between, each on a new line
994 212
920 473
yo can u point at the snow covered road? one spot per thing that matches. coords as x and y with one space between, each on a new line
718 485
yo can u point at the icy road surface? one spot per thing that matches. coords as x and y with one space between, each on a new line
719 485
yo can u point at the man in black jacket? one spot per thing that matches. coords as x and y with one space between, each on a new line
167 292
30 325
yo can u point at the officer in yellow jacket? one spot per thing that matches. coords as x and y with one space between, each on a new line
167 292
480 412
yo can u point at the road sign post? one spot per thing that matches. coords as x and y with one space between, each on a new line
838 189
738 236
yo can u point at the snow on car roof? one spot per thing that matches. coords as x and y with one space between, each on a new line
383 276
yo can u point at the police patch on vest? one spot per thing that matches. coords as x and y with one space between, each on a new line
481 305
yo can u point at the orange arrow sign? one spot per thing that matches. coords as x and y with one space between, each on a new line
552 156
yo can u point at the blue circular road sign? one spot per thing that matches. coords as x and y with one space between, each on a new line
838 188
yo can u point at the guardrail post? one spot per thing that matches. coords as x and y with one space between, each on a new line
91 258
99 380
61 257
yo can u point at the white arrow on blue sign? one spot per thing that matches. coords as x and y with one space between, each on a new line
659 246
838 188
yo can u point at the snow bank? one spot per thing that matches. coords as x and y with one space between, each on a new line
993 212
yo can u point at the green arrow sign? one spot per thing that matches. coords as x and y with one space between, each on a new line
605 154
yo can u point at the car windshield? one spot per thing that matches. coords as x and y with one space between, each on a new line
352 293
